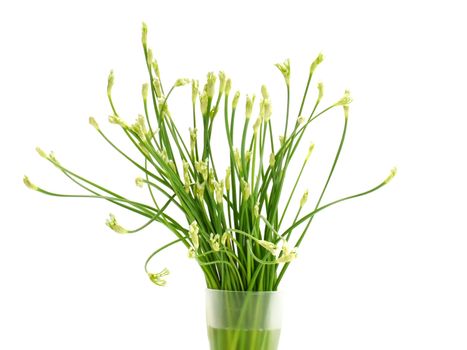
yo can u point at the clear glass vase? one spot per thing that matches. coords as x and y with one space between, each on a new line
243 320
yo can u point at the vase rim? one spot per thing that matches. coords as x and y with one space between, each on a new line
250 292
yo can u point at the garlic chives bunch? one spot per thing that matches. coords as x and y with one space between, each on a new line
235 225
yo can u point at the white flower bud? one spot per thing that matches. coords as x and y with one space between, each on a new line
155 67
227 179
93 122
215 242
191 253
310 150
29 184
285 70
219 191
157 278
304 199
300 120
202 168
199 190
42 153
113 224
110 83
193 233
182 82
144 91
228 86
235 100
157 87
345 100
264 92
144 35
391 175
320 91
246 190
272 160
225 239
211 85
222 81
249 106
194 90
316 63
269 246
139 181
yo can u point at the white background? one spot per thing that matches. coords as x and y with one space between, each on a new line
387 271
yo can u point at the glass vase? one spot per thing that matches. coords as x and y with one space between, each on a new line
243 320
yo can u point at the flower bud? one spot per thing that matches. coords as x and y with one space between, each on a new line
249 106
227 179
110 83
144 91
42 153
228 86
29 184
222 80
272 160
113 224
391 175
235 100
199 190
215 242
320 91
211 85
310 150
304 199
269 246
246 190
219 191
345 100
225 239
182 82
149 58
157 87
193 233
139 181
157 278
194 90
155 67
191 253
264 92
316 63
144 35
285 70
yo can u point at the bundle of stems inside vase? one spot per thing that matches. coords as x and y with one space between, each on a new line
235 227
